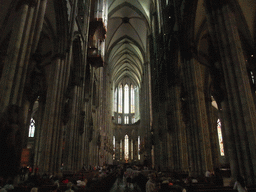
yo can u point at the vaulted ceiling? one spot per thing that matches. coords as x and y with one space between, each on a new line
126 42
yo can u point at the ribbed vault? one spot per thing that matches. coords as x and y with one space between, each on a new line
126 42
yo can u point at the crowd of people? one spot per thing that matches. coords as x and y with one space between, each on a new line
30 179
157 181
132 177
142 179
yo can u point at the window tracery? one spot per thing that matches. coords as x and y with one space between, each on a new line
124 103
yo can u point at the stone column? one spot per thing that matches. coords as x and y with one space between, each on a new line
122 147
70 136
74 127
229 139
202 123
32 43
193 132
212 117
39 23
38 133
78 124
164 148
135 149
240 104
20 76
82 135
9 69
181 128
87 132
58 124
51 128
20 47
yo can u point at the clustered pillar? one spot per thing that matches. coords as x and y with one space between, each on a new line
18 53
51 131
237 108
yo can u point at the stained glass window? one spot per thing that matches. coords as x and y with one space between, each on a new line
138 147
131 149
133 119
132 100
125 102
126 147
115 100
126 119
121 149
120 100
31 132
220 138
114 147
126 99
119 119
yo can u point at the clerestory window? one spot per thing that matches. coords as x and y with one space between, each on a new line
125 105
115 100
132 100
120 99
126 99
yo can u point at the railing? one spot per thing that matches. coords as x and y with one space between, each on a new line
95 57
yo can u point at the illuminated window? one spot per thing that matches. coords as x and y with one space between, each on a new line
252 77
115 100
133 119
138 147
220 138
126 119
126 147
132 100
120 100
121 150
125 103
119 119
114 147
131 149
126 99
31 132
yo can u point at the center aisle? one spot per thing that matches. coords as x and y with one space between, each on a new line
121 187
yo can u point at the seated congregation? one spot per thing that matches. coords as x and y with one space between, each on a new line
125 178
